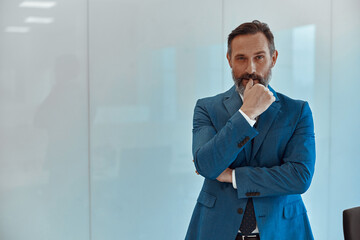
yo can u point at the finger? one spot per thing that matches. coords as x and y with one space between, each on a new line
270 93
249 84
197 172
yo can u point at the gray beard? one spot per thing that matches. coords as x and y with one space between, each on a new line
238 81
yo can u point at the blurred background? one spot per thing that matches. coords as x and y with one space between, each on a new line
96 104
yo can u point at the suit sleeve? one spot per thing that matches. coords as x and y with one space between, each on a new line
295 173
215 151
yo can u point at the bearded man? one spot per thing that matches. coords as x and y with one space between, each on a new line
255 148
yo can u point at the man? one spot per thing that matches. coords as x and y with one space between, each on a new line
256 149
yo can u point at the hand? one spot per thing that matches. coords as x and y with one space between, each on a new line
225 176
257 98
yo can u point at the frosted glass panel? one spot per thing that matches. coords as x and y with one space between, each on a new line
344 175
146 74
43 122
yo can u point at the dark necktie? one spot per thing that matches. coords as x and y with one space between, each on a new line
248 223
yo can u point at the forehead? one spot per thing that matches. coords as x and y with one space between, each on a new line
249 44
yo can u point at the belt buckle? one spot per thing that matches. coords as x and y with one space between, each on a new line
249 236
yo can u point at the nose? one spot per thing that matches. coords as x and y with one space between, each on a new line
251 68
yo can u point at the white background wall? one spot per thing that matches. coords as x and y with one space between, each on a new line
96 109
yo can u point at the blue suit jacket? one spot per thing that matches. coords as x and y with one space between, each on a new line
274 173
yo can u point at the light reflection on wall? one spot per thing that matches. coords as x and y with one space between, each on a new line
294 72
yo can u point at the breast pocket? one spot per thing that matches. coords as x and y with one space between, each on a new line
206 199
277 139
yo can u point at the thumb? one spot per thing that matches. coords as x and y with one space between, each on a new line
249 85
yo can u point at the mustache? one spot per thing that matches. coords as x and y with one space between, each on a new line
253 76
263 80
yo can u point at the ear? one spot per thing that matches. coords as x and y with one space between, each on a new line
229 60
274 58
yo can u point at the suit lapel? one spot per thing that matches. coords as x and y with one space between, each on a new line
232 104
232 101
264 123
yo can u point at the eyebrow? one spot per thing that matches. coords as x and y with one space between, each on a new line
260 52
257 53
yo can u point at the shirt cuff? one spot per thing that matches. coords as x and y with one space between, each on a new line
233 179
250 121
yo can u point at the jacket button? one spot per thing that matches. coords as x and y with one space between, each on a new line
240 211
246 139
240 144
248 194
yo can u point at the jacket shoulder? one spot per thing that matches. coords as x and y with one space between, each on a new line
291 103
216 99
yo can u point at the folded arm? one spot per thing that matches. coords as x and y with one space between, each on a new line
214 151
295 173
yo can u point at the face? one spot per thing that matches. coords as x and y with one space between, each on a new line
250 58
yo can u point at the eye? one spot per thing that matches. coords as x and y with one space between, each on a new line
259 57
240 58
